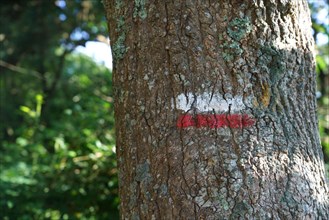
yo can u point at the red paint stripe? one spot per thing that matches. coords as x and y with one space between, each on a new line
215 121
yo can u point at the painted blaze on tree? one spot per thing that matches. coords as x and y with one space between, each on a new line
215 110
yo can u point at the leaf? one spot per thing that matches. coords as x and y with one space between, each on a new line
25 109
28 111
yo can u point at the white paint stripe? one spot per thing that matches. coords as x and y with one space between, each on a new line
206 103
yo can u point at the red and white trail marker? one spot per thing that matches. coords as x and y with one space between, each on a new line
211 111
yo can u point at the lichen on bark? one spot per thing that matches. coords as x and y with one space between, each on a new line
139 9
256 53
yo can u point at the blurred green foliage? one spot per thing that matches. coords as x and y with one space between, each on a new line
320 25
66 169
57 125
57 147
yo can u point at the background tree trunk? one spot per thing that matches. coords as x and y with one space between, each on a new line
215 110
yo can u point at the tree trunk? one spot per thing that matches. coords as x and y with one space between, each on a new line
215 110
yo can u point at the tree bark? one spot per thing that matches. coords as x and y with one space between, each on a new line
215 110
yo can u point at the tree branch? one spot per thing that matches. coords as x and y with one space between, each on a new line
19 69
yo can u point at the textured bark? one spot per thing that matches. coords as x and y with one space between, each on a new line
173 56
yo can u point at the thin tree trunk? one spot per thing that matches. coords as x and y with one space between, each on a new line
215 110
